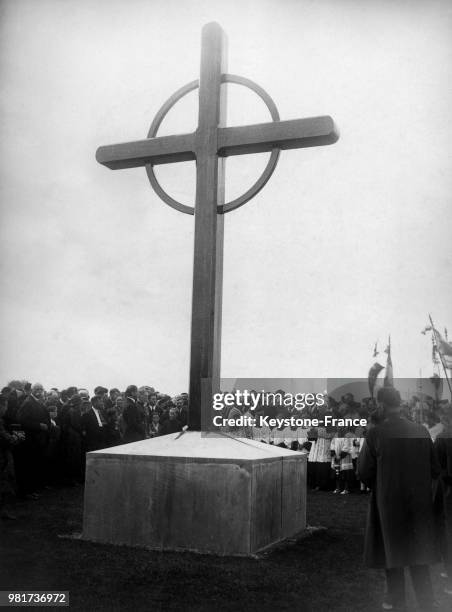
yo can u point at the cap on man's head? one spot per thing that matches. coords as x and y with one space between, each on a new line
75 400
16 385
131 389
100 390
389 397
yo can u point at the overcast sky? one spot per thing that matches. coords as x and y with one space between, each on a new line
345 244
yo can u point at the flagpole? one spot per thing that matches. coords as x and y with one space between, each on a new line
440 356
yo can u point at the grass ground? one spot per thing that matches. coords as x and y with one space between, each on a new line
319 573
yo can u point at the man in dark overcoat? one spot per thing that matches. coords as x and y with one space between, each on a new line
133 417
35 420
93 422
443 447
398 463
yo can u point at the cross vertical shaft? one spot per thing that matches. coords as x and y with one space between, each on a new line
209 227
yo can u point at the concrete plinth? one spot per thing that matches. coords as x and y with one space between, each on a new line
213 494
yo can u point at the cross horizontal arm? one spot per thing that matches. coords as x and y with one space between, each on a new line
293 134
160 150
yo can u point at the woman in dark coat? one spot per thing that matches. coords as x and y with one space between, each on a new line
397 462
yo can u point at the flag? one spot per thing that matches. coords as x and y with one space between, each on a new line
435 357
373 375
375 350
444 347
447 360
389 377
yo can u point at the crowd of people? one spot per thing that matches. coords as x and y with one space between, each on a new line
403 456
45 434
332 451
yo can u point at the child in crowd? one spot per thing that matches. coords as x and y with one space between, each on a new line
341 462
320 456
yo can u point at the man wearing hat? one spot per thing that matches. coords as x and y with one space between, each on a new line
398 463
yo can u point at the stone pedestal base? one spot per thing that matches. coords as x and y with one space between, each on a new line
213 494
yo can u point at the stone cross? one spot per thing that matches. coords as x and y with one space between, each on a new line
209 145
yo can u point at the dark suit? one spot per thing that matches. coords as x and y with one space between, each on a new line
94 433
112 436
73 444
134 422
31 415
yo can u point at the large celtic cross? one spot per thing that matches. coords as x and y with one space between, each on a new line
209 145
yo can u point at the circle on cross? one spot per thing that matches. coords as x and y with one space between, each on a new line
261 181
